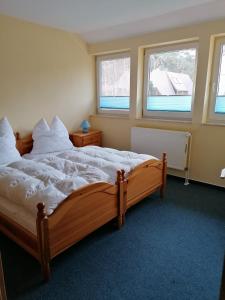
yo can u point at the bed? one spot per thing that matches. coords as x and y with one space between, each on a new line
145 178
79 214
84 210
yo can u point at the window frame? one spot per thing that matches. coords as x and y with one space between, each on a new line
168 115
98 76
214 81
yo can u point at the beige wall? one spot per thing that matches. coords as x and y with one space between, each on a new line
208 147
43 72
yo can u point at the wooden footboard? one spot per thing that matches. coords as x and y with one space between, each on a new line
146 179
81 213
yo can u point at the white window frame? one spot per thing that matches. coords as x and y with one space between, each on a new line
212 116
168 115
98 76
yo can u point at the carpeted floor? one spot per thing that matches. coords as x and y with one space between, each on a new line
170 249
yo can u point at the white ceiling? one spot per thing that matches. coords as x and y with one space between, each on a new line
101 20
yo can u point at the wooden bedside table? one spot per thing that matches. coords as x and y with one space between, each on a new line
80 139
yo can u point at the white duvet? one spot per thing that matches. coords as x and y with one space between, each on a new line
50 178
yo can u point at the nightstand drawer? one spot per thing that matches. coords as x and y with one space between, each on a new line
93 137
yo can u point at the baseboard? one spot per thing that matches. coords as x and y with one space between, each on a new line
192 181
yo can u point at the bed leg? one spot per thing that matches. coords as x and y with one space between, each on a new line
123 219
121 198
43 241
46 271
164 173
119 222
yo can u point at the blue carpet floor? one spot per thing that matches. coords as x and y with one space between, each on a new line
168 249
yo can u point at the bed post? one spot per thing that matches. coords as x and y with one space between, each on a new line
164 173
124 195
121 200
43 242
17 136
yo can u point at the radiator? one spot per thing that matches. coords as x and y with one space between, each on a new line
151 141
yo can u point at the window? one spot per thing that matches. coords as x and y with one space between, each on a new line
113 83
170 74
217 95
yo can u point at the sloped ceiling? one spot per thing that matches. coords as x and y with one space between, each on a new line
101 20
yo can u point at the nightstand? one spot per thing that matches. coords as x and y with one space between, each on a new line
80 139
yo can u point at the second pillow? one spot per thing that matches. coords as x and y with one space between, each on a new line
50 139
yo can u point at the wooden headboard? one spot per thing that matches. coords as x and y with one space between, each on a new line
24 145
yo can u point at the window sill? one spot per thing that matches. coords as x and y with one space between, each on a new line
111 116
150 119
111 111
213 123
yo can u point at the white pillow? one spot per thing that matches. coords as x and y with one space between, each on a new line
40 129
8 151
50 139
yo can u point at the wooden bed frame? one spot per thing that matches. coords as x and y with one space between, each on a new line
84 210
81 213
144 180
